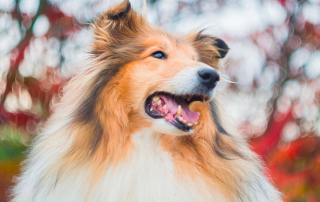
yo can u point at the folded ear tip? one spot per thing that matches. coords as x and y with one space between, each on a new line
223 48
119 11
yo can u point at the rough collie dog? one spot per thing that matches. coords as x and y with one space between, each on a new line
142 124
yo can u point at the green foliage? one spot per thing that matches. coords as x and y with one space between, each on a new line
11 144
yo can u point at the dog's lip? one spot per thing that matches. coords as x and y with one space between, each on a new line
174 108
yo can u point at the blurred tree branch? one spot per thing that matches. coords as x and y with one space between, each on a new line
293 162
24 42
271 136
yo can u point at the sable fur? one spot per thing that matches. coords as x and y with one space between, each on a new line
99 132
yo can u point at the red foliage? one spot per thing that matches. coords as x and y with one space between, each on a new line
264 144
293 166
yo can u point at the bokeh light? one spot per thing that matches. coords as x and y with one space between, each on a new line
273 63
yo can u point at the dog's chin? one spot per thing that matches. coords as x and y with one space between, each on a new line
161 126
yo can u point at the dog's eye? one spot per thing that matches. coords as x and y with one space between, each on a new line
159 55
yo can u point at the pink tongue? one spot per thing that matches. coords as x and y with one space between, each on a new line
186 113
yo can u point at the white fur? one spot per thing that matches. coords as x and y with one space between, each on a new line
164 127
147 174
187 81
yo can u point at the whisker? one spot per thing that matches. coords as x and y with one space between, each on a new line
226 78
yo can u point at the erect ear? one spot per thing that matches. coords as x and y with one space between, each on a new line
118 26
210 48
119 11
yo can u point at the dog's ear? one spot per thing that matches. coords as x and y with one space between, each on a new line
209 48
119 25
119 11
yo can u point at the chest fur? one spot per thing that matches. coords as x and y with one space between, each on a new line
148 174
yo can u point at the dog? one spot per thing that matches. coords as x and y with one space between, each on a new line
143 123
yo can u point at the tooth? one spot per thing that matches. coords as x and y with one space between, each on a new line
164 107
184 121
195 123
180 118
159 102
189 124
155 98
151 109
179 111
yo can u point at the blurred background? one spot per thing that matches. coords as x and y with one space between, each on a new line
274 61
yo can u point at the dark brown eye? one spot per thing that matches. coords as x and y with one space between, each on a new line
159 55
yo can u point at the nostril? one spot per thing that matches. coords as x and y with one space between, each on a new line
204 75
209 77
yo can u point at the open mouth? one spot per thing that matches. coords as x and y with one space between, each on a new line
174 109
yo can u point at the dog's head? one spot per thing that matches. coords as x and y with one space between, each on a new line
156 75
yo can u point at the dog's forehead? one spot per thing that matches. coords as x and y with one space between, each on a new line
168 41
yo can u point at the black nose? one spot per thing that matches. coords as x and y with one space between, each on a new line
208 77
